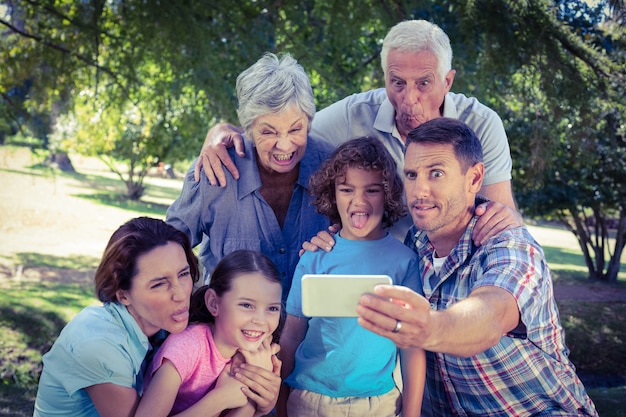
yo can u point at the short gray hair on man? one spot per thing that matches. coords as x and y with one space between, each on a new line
417 36
271 85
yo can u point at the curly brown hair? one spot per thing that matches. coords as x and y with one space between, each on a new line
365 153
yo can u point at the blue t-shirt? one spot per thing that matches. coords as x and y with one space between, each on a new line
338 357
100 345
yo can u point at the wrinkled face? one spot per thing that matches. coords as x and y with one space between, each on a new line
415 88
280 139
361 204
160 291
440 196
245 315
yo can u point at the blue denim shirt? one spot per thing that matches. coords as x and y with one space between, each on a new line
238 217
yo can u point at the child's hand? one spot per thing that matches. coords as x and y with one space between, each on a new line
230 389
262 357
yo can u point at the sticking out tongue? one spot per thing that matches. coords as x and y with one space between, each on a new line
358 220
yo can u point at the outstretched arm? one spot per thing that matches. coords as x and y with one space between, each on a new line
214 153
467 328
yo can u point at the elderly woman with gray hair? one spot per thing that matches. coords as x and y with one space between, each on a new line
268 209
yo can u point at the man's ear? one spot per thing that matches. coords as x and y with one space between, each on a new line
475 176
212 302
449 79
122 297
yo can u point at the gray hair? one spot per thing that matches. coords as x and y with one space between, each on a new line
271 85
418 36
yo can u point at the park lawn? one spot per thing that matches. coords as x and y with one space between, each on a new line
33 311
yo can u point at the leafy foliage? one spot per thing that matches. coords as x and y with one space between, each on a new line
138 82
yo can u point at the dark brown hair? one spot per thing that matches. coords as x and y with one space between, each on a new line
131 240
365 153
448 131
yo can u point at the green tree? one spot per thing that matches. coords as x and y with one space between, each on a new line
137 82
565 112
140 81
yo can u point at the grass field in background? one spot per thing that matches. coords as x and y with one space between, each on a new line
33 312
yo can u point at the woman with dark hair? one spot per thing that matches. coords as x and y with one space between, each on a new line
144 280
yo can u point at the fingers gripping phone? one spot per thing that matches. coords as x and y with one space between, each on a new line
331 295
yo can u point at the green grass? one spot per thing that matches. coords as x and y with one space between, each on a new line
591 328
610 402
33 313
31 317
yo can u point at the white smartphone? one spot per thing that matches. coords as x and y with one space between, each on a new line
330 295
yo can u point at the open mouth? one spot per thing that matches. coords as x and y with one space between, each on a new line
252 334
284 158
358 220
181 315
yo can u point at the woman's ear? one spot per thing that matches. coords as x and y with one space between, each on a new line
122 297
212 302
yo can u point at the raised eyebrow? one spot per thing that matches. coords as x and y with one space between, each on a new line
437 165
426 77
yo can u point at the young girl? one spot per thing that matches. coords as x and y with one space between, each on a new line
238 312
333 366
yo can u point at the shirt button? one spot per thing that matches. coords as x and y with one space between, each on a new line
433 306
282 251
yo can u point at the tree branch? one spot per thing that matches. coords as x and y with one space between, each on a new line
60 48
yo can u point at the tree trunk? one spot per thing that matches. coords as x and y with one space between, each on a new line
61 161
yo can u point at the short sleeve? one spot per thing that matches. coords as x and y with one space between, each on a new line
294 299
413 279
183 350
97 361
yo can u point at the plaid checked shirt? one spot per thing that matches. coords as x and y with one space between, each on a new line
528 372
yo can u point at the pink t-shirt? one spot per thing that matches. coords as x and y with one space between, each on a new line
197 360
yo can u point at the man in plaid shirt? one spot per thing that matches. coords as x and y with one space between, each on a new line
485 315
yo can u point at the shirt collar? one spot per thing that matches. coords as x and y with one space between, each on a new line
250 180
386 117
449 109
137 338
